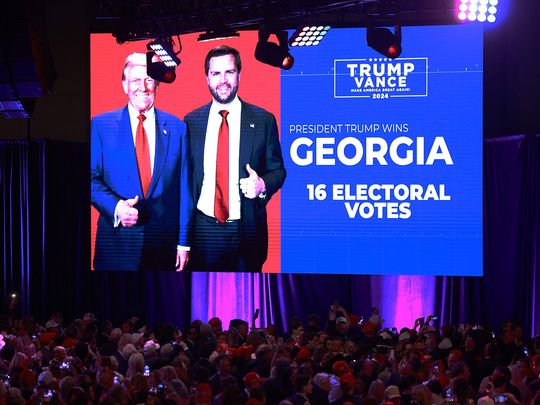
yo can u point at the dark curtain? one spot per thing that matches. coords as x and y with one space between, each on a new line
528 267
45 239
21 241
301 295
510 287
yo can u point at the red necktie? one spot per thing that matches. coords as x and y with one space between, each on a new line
143 156
221 199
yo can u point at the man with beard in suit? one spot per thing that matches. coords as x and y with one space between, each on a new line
237 168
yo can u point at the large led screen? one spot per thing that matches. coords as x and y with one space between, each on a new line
383 157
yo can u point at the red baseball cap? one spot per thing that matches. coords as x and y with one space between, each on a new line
341 367
251 378
303 355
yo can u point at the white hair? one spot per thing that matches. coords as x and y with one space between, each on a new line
135 364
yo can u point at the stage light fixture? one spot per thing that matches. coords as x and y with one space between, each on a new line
310 35
161 60
384 41
164 49
477 10
273 54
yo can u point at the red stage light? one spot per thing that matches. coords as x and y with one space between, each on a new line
288 62
384 41
394 51
169 76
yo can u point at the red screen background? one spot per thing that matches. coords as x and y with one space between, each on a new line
259 85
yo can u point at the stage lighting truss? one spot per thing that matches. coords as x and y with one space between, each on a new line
310 35
273 54
477 10
384 41
218 32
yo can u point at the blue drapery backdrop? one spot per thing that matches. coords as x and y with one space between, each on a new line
44 196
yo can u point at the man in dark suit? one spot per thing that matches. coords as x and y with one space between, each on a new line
140 180
237 167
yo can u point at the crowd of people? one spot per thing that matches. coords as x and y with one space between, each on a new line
335 361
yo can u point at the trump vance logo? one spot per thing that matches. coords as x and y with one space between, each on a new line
379 78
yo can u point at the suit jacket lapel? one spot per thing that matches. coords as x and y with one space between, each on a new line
162 147
198 134
247 134
126 136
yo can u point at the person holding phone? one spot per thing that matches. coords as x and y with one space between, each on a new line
497 392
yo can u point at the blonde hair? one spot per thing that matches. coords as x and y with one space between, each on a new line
135 364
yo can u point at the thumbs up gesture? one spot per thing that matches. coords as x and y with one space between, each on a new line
253 185
127 213
132 201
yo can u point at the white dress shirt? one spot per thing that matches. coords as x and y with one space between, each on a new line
208 190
